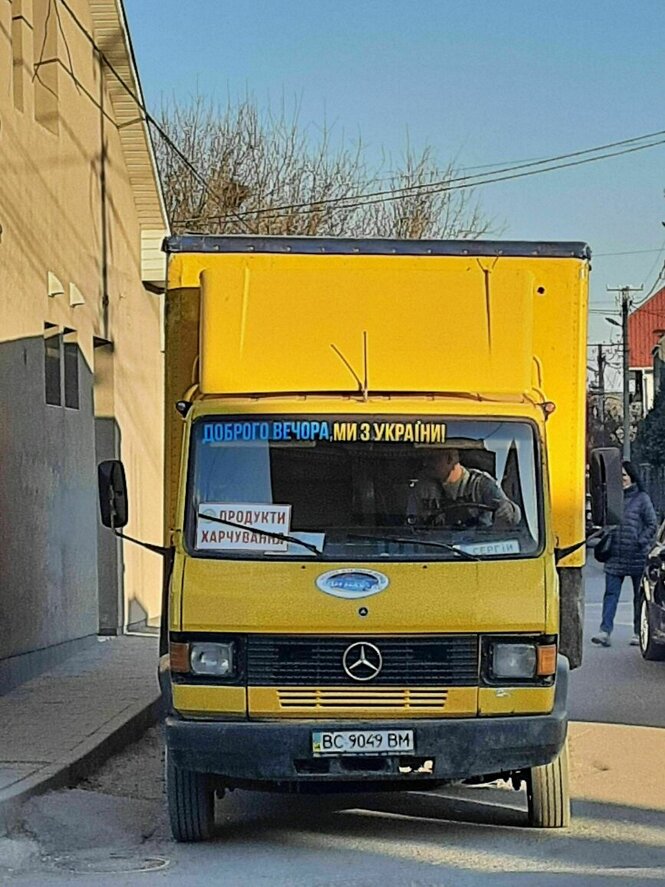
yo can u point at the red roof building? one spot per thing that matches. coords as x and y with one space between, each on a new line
646 329
646 326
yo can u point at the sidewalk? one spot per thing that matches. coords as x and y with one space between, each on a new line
58 727
617 764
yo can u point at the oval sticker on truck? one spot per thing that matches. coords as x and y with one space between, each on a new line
352 584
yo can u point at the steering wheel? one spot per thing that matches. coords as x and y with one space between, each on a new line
471 509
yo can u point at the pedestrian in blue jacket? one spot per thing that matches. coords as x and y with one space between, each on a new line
631 541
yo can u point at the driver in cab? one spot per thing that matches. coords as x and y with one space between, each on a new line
446 492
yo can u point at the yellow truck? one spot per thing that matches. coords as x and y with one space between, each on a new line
375 488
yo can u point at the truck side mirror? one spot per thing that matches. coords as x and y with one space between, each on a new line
112 494
605 486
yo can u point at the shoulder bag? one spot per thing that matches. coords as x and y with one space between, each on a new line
603 550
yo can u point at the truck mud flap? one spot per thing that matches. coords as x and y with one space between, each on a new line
571 613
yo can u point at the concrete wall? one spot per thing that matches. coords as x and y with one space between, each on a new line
70 258
47 507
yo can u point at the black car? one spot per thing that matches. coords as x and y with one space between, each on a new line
652 603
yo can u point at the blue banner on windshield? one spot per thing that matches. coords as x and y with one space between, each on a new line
417 431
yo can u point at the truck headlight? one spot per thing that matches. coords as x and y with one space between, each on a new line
513 660
217 660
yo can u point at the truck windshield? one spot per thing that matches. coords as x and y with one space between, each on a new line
363 488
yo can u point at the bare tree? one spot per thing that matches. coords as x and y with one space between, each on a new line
263 173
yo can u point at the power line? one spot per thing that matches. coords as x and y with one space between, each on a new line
653 312
392 194
148 117
631 252
392 174
450 184
654 286
655 262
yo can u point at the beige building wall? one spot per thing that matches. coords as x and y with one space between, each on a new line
81 218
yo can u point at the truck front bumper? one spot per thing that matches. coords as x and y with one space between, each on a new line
264 753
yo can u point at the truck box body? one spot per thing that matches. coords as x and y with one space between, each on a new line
507 322
316 379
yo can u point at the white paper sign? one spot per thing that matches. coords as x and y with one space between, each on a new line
257 517
503 546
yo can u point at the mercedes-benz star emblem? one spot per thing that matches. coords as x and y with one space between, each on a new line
362 661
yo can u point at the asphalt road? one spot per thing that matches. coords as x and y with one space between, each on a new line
615 685
468 838
112 831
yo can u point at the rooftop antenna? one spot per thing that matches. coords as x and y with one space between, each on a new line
362 384
349 367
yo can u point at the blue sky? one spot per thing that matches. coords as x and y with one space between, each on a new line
482 81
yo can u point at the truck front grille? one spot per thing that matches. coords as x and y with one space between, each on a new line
302 661
363 698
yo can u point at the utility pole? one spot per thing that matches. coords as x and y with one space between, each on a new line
601 387
625 309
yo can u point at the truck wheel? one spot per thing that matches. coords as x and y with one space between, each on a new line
648 647
547 793
191 802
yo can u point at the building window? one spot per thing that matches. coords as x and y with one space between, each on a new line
52 363
61 367
71 354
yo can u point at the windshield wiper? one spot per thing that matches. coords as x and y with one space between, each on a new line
282 536
415 540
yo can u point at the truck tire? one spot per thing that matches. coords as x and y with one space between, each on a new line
648 647
191 802
548 793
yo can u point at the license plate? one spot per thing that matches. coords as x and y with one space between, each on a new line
362 742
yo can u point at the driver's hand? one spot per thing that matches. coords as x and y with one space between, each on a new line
506 511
